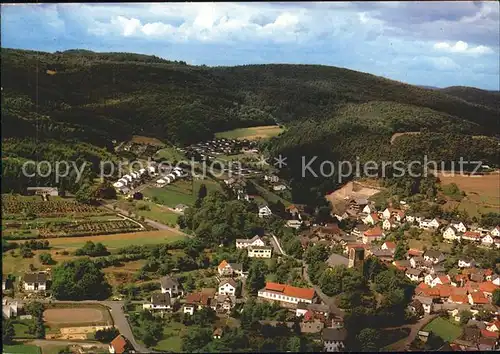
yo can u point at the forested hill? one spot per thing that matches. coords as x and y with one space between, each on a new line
95 97
474 95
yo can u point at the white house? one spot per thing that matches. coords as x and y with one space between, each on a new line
181 208
170 285
159 302
433 256
35 281
441 280
429 224
495 232
371 219
426 302
391 212
494 327
9 309
368 209
294 224
279 187
245 243
415 274
160 183
389 224
451 234
287 293
428 279
466 263
333 339
227 287
271 178
459 226
229 269
264 211
260 251
487 240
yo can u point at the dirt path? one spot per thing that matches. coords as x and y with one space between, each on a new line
405 343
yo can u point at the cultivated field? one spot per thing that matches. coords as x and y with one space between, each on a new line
180 192
120 240
482 192
139 139
26 217
252 133
352 190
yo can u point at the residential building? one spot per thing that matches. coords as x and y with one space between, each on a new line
413 252
230 269
260 251
471 236
415 274
441 280
9 308
389 245
459 226
264 211
199 300
119 345
287 294
495 232
51 191
160 302
170 285
373 234
245 243
369 209
181 208
487 241
294 224
371 219
224 303
429 224
271 178
466 263
35 281
303 307
279 187
227 286
434 256
389 224
451 234
427 303
333 339
477 298
394 213
494 326
217 334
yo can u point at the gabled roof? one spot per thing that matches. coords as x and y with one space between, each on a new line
161 299
228 281
390 244
39 277
168 282
292 291
333 334
463 299
374 232
487 287
433 254
487 334
223 264
119 344
472 234
478 298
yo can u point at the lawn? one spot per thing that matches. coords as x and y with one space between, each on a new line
172 341
270 196
21 349
444 329
170 154
153 211
180 192
21 329
252 133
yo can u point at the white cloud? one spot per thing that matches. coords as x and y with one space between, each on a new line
462 47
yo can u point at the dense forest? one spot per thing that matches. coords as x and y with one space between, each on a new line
77 100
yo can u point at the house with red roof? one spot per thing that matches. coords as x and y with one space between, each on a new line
488 334
494 327
478 298
287 294
413 252
487 287
458 299
229 269
389 245
372 219
441 280
471 236
119 345
373 234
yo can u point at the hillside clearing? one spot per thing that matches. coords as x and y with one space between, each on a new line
252 133
139 139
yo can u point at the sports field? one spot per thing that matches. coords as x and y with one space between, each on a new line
252 133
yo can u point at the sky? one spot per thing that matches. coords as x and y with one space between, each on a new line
424 43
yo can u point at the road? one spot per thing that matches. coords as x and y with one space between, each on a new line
276 245
404 343
152 223
325 298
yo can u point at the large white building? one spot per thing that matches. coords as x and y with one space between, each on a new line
260 251
287 294
245 243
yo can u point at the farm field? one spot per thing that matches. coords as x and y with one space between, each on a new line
252 133
150 210
119 240
444 329
21 349
139 139
27 217
124 274
482 192
180 192
170 154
